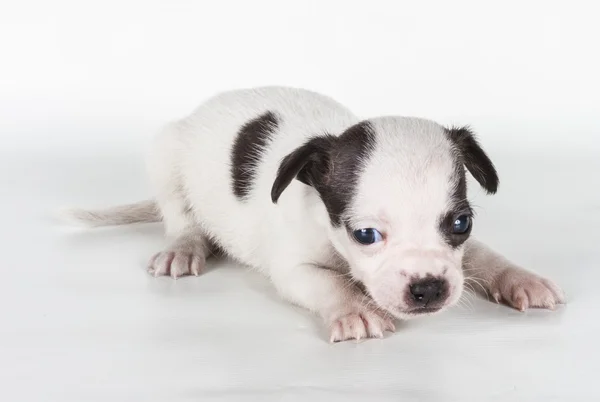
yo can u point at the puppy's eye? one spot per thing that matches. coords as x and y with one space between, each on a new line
461 225
367 236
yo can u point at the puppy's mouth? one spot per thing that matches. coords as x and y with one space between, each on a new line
402 313
423 310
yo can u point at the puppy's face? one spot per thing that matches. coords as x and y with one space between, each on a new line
395 191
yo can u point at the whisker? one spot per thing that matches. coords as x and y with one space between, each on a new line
475 281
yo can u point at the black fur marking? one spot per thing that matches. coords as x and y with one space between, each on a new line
246 152
460 206
307 163
331 165
474 158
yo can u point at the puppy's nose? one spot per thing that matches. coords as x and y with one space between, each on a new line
427 291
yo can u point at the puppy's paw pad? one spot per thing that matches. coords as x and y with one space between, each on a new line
176 264
522 290
360 325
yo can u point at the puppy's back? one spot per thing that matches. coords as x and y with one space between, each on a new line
228 152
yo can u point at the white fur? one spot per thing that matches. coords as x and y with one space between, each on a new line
411 177
310 262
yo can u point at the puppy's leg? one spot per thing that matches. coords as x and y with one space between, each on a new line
506 282
186 255
349 313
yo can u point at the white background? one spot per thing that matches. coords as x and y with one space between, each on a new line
84 85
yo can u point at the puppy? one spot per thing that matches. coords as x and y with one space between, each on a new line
359 221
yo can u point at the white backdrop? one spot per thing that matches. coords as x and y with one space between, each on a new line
522 72
83 86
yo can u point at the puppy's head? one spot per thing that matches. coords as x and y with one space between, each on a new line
396 194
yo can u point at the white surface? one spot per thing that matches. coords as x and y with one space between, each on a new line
82 89
81 319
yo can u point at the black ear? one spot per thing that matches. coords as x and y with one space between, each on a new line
475 159
308 163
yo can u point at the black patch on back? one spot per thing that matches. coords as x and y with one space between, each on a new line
331 165
246 152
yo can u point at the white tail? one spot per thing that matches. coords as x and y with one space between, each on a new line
139 212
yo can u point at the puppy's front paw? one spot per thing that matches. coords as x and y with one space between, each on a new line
522 289
359 324
176 263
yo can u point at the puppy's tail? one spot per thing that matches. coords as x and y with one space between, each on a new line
139 212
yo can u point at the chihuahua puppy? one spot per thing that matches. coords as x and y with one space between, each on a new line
359 221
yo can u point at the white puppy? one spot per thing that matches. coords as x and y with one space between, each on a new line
358 221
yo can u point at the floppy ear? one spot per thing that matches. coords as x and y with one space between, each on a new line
475 159
308 163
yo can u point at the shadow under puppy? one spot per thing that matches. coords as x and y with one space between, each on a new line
360 221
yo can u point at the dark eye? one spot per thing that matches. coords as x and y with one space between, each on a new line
461 225
367 236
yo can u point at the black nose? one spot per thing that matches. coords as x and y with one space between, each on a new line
427 291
